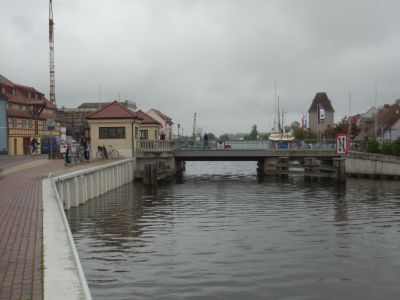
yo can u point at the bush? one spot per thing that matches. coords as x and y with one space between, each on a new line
387 148
373 146
396 147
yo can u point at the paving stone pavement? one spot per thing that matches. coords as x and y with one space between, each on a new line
21 228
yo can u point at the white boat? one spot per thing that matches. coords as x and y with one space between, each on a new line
280 139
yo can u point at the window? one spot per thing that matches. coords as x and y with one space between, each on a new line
23 123
111 132
136 133
14 92
14 123
30 123
155 134
144 134
29 95
3 90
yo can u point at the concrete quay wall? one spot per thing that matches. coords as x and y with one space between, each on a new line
359 163
63 273
78 187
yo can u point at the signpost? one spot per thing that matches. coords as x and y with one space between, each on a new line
342 144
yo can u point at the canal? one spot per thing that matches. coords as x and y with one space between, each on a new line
220 233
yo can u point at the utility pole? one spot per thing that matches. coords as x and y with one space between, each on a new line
51 52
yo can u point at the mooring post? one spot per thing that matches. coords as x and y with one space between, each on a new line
340 164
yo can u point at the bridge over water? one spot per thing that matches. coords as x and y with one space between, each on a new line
312 160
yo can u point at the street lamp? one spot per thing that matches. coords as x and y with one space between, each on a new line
179 126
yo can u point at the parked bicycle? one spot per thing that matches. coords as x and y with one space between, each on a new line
102 152
77 154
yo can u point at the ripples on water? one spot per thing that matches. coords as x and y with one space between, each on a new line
219 233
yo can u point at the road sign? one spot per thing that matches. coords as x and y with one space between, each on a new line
341 144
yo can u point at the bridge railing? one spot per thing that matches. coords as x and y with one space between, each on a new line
167 145
250 145
155 145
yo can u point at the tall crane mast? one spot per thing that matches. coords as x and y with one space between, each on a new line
51 43
194 126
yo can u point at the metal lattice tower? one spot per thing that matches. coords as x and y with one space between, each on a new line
51 42
194 126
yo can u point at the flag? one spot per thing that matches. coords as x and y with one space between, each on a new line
321 114
305 120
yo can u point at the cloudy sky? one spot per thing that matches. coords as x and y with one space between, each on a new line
219 58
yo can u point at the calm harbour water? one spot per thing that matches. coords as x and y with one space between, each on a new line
219 233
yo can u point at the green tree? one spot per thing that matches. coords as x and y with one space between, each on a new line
224 137
299 133
211 136
253 134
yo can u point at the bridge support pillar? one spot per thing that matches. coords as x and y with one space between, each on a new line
310 164
283 167
180 166
260 168
270 166
340 164
149 174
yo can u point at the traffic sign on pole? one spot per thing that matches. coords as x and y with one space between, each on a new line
341 144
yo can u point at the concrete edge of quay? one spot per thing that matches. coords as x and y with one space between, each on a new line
63 273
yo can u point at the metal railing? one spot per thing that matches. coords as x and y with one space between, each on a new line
167 145
252 145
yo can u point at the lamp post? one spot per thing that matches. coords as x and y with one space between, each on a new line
179 126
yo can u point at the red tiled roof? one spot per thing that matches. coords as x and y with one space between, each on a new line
146 118
114 110
28 115
21 96
355 117
166 118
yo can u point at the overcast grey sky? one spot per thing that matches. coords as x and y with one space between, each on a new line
218 58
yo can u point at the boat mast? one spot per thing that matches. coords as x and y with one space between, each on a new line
274 128
279 118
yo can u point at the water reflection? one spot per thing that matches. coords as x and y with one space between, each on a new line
221 234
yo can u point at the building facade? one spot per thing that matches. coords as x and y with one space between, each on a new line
165 121
115 127
29 116
149 128
74 119
3 127
318 123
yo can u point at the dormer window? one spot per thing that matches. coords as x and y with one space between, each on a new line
3 90
29 95
14 92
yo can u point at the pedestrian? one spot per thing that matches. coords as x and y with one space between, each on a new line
34 146
206 141
67 159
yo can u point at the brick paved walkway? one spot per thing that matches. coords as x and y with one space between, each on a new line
21 229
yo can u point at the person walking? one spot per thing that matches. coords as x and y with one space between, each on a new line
206 141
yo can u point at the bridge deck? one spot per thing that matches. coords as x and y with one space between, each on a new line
250 155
